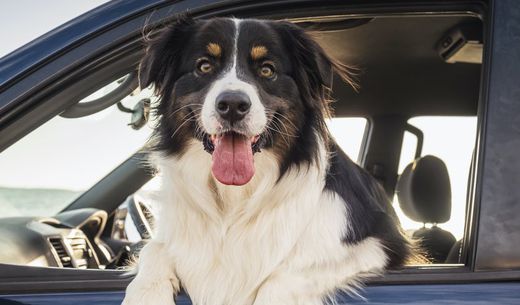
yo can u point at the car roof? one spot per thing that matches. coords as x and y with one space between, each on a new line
400 71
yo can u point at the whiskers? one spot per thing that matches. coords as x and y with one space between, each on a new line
192 116
281 125
196 105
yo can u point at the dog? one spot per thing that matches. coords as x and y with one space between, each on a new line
259 205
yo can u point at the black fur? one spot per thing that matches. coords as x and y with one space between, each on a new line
307 73
369 209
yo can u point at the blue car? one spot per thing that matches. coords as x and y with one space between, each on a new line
436 121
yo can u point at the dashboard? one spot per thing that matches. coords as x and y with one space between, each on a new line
70 239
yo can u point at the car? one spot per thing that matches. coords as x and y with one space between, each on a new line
436 121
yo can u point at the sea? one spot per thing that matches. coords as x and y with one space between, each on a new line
32 202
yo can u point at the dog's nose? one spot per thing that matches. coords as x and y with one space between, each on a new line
233 105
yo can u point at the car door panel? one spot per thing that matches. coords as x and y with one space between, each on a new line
460 294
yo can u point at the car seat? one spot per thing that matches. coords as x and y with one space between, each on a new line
424 195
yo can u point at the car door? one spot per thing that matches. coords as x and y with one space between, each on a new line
43 78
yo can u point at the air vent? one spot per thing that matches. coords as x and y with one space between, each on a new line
80 251
59 247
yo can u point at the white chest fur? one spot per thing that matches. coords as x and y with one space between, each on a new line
226 241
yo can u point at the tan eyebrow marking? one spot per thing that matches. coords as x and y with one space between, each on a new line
258 52
214 49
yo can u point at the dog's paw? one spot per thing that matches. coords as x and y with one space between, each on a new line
149 294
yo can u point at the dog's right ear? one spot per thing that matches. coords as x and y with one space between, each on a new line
163 52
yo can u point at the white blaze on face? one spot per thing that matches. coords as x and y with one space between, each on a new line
255 120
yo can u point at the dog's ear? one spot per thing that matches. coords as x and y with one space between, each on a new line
313 67
163 53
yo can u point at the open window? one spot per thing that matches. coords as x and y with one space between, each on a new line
418 67
431 196
420 85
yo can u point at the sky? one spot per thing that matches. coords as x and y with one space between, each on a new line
25 20
74 154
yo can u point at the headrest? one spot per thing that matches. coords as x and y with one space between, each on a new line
424 190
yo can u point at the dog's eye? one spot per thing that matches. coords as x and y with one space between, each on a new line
267 70
204 66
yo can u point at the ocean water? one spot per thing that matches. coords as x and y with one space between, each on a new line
34 202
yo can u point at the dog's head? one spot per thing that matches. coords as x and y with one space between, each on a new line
239 87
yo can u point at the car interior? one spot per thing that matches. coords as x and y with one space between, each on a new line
424 65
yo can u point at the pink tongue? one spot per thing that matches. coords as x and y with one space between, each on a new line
233 159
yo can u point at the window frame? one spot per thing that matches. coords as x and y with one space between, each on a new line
419 138
100 55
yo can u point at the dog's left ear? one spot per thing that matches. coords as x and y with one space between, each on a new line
313 67
163 54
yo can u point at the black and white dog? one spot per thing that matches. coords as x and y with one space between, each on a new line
259 204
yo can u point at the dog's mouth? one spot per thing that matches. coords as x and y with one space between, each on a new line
232 156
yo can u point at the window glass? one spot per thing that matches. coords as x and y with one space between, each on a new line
43 172
349 133
452 139
407 151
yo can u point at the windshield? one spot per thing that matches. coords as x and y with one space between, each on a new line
47 169
42 17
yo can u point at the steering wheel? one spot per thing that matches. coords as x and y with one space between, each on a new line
143 219
141 216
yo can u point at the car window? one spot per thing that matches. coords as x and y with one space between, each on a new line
451 139
43 172
348 133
